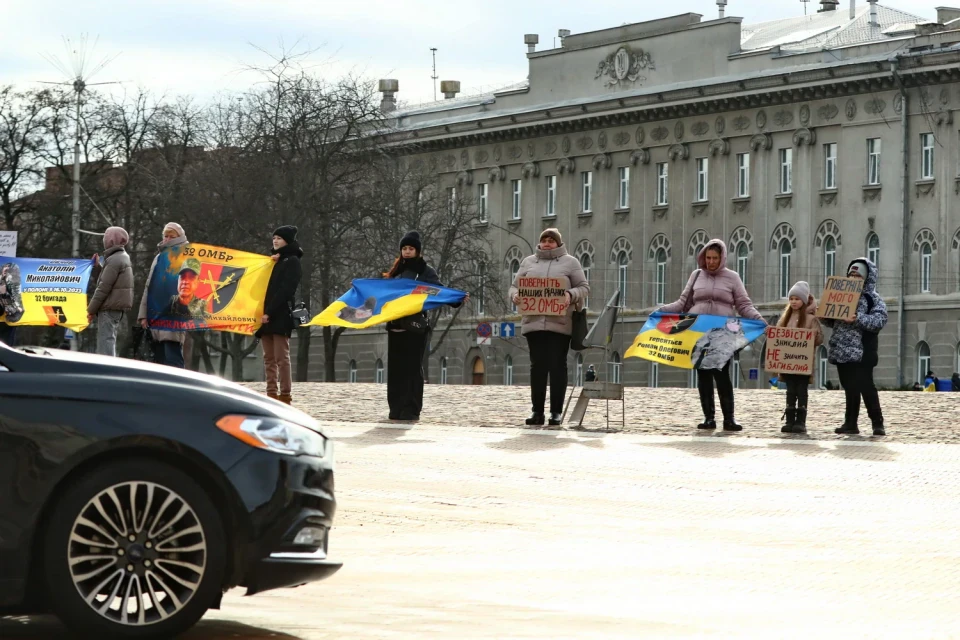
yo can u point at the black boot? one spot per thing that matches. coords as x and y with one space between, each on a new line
847 430
799 423
555 419
709 411
729 422
791 420
878 430
535 419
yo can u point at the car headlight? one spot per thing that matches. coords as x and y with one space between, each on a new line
274 434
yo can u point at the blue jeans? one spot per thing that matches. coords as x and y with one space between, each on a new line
168 352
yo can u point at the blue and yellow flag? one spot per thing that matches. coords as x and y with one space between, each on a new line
371 302
198 287
692 341
42 292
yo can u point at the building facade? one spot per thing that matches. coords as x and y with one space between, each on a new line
802 143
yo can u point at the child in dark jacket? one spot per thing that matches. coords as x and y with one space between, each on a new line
854 349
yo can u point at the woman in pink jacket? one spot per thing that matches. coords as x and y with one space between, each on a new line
717 291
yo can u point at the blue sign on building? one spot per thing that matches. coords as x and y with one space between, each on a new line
508 330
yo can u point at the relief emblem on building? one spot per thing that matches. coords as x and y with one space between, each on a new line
625 65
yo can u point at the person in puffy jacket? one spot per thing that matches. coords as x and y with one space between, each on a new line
854 348
548 337
114 293
278 326
800 313
167 345
715 290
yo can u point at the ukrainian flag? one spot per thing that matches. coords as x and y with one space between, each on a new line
370 302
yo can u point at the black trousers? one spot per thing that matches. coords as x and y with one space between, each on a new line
857 381
548 359
797 387
405 351
706 378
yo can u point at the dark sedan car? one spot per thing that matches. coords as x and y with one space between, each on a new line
133 495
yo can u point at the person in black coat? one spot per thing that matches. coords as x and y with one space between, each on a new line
407 338
278 304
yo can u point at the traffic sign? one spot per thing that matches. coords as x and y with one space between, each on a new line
508 330
754 374
483 340
484 330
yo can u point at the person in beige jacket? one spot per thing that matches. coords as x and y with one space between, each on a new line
167 345
800 313
548 337
114 294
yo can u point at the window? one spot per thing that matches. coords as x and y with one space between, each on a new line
515 210
926 267
514 269
823 367
508 371
829 257
481 286
703 170
743 175
615 368
482 193
578 372
873 161
786 170
873 249
830 165
443 371
923 360
586 191
623 201
551 196
654 374
622 264
785 282
380 377
353 371
735 373
662 183
660 284
926 156
586 262
452 199
743 257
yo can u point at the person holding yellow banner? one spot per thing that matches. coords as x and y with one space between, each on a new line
167 345
715 290
278 303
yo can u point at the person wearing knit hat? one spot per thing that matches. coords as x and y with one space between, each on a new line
409 337
548 336
114 293
277 322
800 313
167 345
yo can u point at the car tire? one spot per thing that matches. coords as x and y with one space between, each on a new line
139 535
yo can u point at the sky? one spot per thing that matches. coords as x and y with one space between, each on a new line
203 47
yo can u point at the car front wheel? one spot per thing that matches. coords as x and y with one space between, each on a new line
134 550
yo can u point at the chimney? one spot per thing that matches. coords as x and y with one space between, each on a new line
563 33
853 9
947 14
449 88
388 87
874 19
721 5
531 40
828 5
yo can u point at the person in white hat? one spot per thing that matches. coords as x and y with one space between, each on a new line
800 313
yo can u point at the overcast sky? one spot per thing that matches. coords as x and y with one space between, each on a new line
200 47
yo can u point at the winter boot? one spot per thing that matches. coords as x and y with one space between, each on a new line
272 395
729 422
878 430
791 422
847 430
801 424
285 398
555 419
709 412
535 419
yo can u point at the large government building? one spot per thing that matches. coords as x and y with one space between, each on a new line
803 143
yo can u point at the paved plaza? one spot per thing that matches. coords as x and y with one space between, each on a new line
490 532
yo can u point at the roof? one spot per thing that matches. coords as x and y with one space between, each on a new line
826 30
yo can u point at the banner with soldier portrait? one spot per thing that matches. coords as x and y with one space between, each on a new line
692 341
44 291
196 287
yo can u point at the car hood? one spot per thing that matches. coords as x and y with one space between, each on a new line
58 361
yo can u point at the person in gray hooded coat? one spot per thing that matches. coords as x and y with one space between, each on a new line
854 349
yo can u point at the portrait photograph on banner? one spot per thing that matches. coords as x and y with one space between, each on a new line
44 292
370 302
198 287
692 341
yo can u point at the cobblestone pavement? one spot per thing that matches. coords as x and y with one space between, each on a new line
467 532
910 416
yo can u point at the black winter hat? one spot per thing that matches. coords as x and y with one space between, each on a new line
412 239
288 233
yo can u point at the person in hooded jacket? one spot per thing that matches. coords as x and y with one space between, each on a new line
114 293
278 323
955 382
800 313
408 337
548 337
167 345
854 348
715 290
